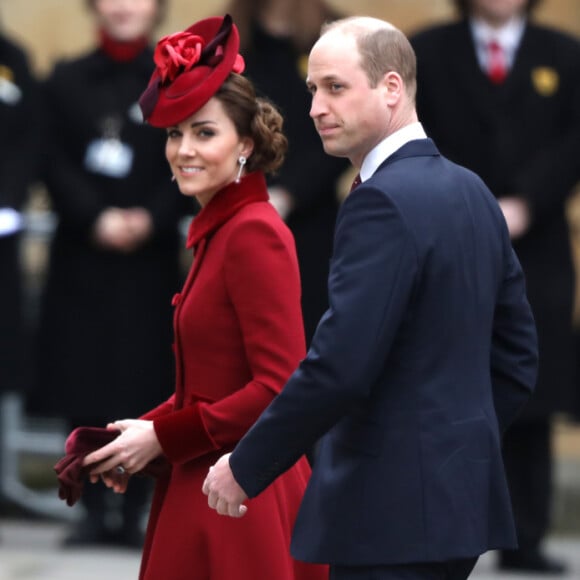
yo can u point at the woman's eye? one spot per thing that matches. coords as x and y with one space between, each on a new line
206 133
172 133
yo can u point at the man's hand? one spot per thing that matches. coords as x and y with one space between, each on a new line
224 494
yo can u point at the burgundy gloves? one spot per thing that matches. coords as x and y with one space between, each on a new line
70 470
71 473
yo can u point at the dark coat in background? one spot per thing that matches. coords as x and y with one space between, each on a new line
277 69
105 330
18 155
522 138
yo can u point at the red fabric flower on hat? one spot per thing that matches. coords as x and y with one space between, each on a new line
177 53
239 64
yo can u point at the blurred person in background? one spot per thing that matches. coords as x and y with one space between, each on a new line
104 337
276 37
19 122
238 325
501 95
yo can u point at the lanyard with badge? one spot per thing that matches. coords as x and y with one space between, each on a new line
108 155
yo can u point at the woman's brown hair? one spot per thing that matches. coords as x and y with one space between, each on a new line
256 118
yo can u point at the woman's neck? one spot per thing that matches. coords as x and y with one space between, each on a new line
121 51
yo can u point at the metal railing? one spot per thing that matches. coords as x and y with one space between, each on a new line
20 438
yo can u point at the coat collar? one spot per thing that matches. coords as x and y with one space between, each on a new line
416 148
225 204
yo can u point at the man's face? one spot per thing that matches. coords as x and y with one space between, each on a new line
350 116
497 12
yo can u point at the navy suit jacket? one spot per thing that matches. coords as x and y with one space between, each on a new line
426 354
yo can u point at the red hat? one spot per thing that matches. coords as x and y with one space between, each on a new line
190 68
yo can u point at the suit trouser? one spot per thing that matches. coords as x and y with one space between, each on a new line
452 570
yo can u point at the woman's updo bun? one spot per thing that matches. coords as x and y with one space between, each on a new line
256 118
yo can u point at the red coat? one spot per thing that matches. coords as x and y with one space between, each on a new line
238 337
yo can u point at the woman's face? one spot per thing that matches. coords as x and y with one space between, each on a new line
127 20
203 151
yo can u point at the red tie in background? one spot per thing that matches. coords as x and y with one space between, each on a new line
496 64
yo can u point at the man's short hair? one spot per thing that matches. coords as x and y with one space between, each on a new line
383 48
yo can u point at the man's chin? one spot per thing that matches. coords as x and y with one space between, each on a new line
333 148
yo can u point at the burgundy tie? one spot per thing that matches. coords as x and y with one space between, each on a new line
496 64
356 182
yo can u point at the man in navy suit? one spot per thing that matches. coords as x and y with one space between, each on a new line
426 354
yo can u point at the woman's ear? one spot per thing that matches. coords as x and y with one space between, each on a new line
247 147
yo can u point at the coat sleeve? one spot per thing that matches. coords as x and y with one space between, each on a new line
263 283
371 279
323 173
549 176
514 350
76 200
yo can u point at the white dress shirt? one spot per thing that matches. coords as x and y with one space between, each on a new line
388 146
507 36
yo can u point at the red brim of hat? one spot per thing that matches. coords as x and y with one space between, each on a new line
165 104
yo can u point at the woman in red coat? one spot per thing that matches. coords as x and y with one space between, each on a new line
238 324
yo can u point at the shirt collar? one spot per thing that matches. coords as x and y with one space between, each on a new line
508 36
388 146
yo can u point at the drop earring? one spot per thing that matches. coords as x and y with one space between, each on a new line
242 161
173 178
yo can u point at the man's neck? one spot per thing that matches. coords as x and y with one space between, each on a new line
496 21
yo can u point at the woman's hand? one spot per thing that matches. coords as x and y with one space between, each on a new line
129 453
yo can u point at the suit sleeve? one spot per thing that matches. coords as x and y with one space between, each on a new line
514 352
371 279
263 283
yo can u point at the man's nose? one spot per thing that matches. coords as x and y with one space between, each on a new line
317 106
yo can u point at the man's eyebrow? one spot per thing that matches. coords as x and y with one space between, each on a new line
326 78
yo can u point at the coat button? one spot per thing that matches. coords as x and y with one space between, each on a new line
176 299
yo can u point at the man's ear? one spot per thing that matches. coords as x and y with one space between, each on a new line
394 87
